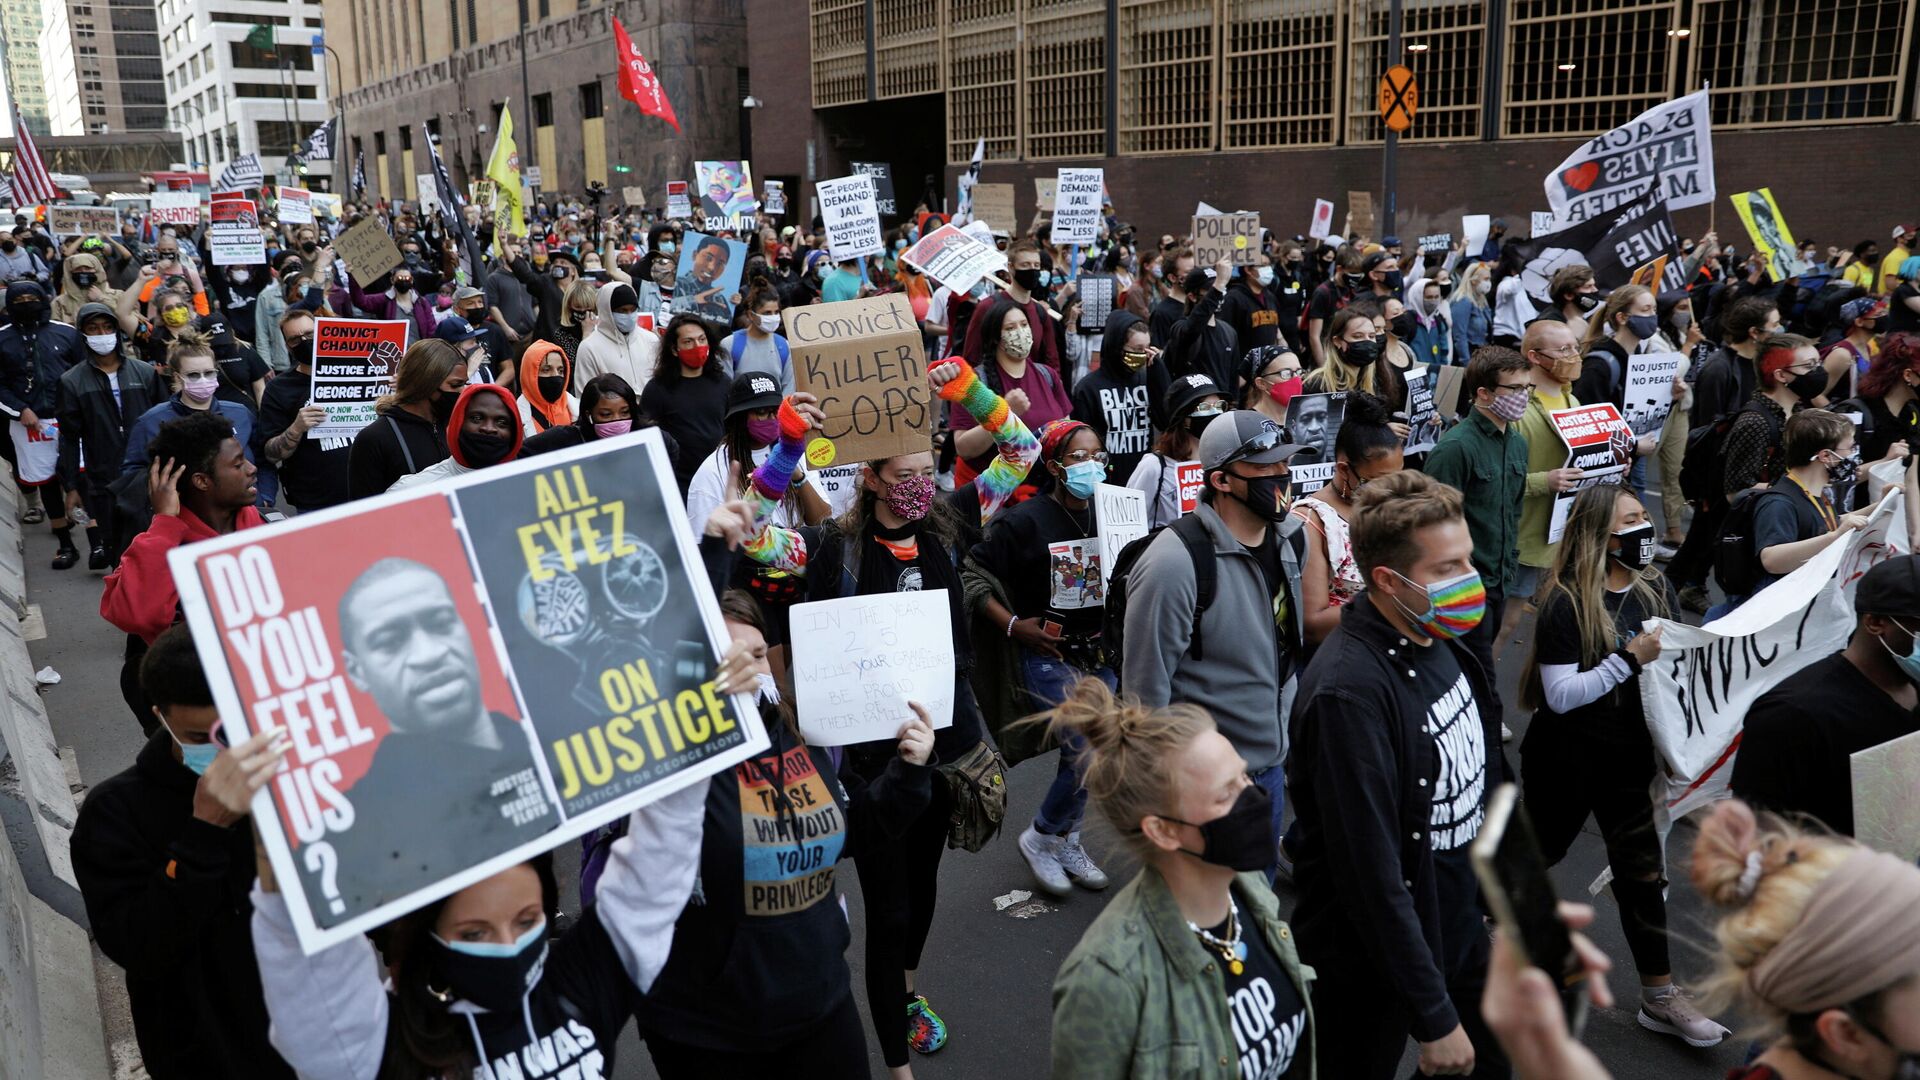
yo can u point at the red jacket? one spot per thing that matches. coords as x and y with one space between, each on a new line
140 597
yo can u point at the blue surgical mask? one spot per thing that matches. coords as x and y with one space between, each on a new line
1910 663
625 321
196 756
1264 275
666 246
1083 477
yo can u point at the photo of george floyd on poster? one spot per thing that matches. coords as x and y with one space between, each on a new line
469 673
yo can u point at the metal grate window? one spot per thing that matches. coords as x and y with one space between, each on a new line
1281 56
1066 78
906 47
1168 76
1801 61
1580 66
1448 68
983 76
838 29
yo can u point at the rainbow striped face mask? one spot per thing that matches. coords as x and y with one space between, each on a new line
1454 606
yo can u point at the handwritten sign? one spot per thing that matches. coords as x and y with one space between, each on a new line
1227 236
1076 206
353 365
633 195
1322 219
1191 478
368 250
1122 516
865 362
83 220
1360 212
852 220
858 660
993 204
174 208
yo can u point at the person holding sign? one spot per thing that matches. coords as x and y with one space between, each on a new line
1045 570
410 434
1355 345
1365 449
1554 355
1629 318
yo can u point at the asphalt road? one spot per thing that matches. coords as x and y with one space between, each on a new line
988 970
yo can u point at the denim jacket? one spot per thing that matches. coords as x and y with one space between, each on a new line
1141 997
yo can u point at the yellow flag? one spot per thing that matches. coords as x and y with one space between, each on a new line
503 168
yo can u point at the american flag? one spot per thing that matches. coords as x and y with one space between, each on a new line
241 173
31 184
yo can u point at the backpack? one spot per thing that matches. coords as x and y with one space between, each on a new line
1206 576
1736 562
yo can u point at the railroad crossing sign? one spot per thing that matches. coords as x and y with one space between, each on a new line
1399 98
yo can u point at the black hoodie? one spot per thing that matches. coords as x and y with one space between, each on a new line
1115 402
1254 318
1201 343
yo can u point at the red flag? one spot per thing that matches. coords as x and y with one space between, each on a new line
31 184
638 83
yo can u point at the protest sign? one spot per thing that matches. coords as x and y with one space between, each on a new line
327 205
1096 301
1541 223
1767 228
1121 516
1191 478
1322 220
1076 206
295 206
993 204
1474 229
577 636
1446 394
1423 415
634 196
233 235
864 360
1697 693
1360 212
1669 144
1599 444
1649 393
368 250
427 190
174 208
853 223
774 195
726 189
708 276
1436 243
1045 191
678 204
1313 421
858 660
954 259
882 174
354 361
84 220
1227 236
1886 801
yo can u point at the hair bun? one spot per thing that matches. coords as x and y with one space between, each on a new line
1728 860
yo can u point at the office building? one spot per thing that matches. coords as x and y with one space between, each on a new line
228 95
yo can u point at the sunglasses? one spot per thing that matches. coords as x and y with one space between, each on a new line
1268 437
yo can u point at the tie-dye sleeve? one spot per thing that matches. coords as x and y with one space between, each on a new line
1015 447
771 545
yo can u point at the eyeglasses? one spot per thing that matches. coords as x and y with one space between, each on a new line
1284 374
1079 456
1528 387
1560 354
1268 437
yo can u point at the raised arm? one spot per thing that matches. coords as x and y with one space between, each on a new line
1015 447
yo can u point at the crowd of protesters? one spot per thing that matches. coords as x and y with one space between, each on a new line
1280 688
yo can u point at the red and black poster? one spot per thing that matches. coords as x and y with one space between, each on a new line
354 361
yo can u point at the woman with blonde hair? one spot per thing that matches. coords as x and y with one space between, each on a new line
577 317
1472 316
1191 955
1355 350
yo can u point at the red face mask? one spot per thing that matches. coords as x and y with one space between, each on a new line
1284 392
693 355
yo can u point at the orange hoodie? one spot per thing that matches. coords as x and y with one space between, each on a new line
546 414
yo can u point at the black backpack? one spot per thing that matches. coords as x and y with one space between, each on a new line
1736 561
1206 575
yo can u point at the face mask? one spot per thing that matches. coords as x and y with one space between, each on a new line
85 280
1354 281
666 247
196 756
763 432
443 402
1510 405
1267 496
625 321
692 356
1285 391
610 428
1454 606
1430 306
203 390
27 314
1586 301
1843 470
175 317
1808 386
403 285
1483 286
1643 326
540 260
552 387
1082 477
1395 281
495 977
1564 369
1404 325
1636 547
1134 361
1197 423
1018 342
484 450
1363 353
9 245
1909 664
1240 839
911 498
769 323
1264 275
1028 279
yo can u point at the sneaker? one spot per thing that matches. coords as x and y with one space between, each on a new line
926 1032
66 557
1665 551
1079 865
1506 733
1043 856
1673 1014
97 558
1695 599
33 515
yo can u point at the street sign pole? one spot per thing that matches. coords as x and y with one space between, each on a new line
1389 167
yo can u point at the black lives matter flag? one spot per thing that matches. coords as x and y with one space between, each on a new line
1633 243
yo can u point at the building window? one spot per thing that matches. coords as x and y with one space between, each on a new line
1166 64
1066 83
277 137
269 90
982 75
406 139
1571 71
297 57
473 23
1451 39
379 142
591 106
1794 62
543 110
251 20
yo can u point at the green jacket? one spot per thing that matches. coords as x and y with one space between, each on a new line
1488 467
1141 997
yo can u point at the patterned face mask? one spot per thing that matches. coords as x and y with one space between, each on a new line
1454 606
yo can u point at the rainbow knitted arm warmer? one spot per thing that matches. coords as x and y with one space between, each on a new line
772 545
1015 447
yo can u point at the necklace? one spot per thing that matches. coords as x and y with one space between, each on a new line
1232 949
1085 526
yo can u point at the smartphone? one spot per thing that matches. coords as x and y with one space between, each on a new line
1052 629
1513 874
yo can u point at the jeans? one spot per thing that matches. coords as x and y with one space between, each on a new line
1274 779
1048 682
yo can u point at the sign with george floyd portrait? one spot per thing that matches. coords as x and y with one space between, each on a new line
470 673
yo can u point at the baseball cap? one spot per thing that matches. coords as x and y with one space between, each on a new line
1865 307
1199 280
752 390
1187 390
1373 261
1902 230
455 329
1244 435
467 292
1390 241
1891 587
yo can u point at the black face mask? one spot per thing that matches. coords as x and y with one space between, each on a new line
495 983
484 450
1587 301
1354 281
300 355
1809 386
27 314
9 245
1404 326
1636 547
552 386
85 280
443 403
1027 279
309 247
402 284
1267 496
1197 424
1395 281
1363 353
1843 470
1242 838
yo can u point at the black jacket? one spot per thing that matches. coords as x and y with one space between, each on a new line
1212 350
316 474
94 424
166 895
394 445
1725 381
547 296
31 363
1255 319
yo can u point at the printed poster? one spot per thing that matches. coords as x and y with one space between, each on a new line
1191 478
1074 571
1600 444
1423 416
295 206
1649 393
1096 301
775 195
1313 421
679 206
882 174
953 258
708 276
1767 228
1669 145
233 237
726 188
354 362
848 210
471 673
1076 206
1322 219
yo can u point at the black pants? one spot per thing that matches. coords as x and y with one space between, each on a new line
832 1048
130 690
1695 558
899 883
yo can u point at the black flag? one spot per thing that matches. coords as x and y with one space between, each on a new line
1615 244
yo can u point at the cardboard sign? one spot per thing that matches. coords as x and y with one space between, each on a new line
1886 801
1670 144
633 195
1599 444
1436 243
83 220
577 639
295 206
773 196
1423 415
882 174
1474 229
954 259
1096 292
1121 517
174 208
1045 192
1360 213
1191 478
858 661
993 204
368 250
1649 392
1227 236
849 210
1313 421
233 235
1322 219
678 205
354 361
865 362
1076 206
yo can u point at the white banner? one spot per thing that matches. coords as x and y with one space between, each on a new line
174 208
1671 143
1649 393
858 660
295 206
1697 693
1076 206
852 216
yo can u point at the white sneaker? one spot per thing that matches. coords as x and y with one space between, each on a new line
1674 1014
1042 853
1506 733
1079 865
